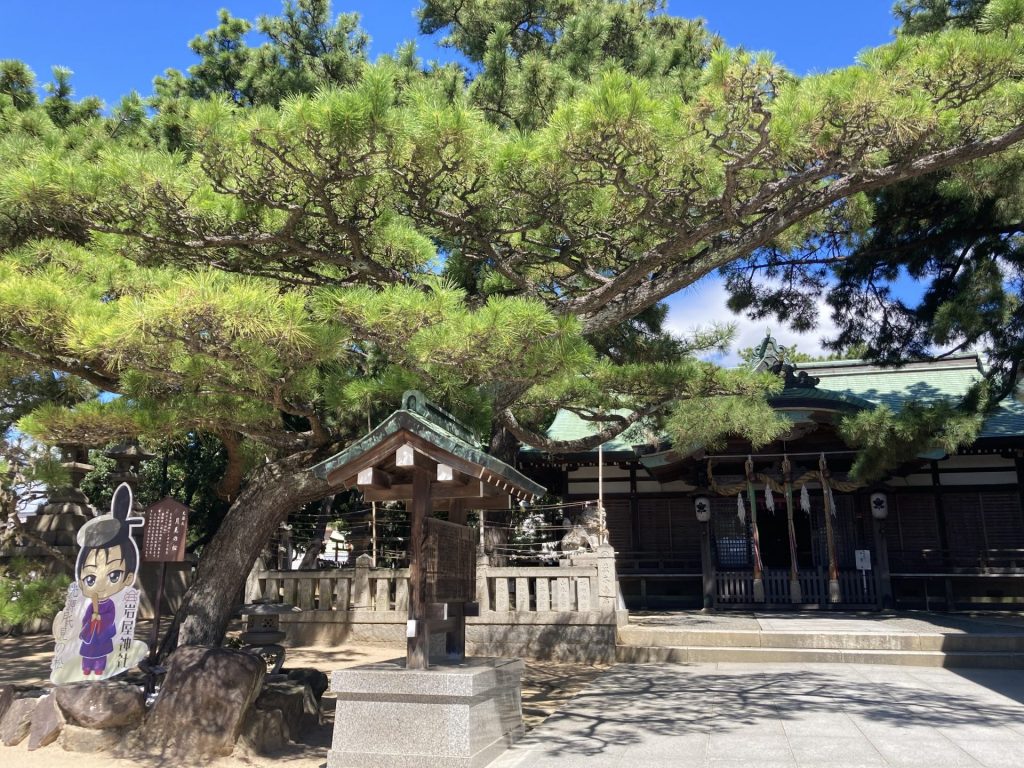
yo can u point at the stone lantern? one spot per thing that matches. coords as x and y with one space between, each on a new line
67 508
127 457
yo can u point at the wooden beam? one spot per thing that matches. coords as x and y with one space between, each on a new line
446 473
402 491
407 457
488 502
371 477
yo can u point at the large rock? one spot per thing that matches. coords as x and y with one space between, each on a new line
264 730
47 723
314 678
101 705
6 697
295 702
17 721
75 738
203 702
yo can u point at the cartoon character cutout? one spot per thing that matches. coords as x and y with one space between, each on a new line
95 632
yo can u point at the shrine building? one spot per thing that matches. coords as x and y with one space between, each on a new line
786 525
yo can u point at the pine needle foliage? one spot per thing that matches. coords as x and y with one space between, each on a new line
285 236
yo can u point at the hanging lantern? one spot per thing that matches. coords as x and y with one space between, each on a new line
879 505
702 508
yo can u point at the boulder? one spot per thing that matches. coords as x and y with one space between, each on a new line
296 703
75 738
314 678
17 721
6 697
264 730
47 723
202 704
100 705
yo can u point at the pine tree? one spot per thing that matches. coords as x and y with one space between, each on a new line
273 257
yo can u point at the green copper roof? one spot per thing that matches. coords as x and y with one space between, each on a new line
819 399
855 384
568 426
437 427
925 382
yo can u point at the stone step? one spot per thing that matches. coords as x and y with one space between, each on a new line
653 637
635 654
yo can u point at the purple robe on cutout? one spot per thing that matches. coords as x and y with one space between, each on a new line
98 634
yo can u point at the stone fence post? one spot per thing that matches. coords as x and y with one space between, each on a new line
361 585
483 592
607 580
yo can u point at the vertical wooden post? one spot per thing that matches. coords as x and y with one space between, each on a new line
417 652
884 582
707 567
834 593
795 595
755 535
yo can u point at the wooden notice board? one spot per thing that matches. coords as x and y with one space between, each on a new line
165 532
450 562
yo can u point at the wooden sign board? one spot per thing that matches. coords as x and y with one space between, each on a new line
165 532
449 560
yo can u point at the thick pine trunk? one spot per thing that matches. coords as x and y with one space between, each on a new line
272 492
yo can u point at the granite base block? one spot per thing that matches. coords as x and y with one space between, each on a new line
458 715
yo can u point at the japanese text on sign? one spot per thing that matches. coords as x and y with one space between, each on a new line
164 535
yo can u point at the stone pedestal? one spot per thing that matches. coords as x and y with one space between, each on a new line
448 716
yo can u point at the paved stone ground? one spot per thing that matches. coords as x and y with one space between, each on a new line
783 716
889 622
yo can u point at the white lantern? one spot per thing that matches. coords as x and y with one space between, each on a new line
879 505
702 508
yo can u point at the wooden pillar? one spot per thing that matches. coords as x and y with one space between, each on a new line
834 593
707 566
883 580
634 512
417 652
755 536
940 523
795 595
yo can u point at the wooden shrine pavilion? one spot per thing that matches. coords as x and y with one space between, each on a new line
423 455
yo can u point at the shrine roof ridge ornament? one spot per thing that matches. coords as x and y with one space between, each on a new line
415 401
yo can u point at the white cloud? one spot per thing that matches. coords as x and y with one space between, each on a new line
705 302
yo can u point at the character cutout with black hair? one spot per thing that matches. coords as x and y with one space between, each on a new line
103 600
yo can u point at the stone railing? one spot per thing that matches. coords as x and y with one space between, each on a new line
586 583
362 588
567 612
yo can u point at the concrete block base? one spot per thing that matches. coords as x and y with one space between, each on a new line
452 715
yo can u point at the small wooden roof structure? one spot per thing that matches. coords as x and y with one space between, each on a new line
424 455
421 436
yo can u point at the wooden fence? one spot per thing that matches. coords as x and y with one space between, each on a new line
737 587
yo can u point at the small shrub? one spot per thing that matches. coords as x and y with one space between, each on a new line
29 592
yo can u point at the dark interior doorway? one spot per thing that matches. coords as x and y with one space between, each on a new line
773 531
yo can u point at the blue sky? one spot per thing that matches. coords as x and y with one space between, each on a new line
114 46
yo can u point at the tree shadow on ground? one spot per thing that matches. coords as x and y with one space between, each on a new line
638 703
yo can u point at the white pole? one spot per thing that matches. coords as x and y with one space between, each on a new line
603 538
373 531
